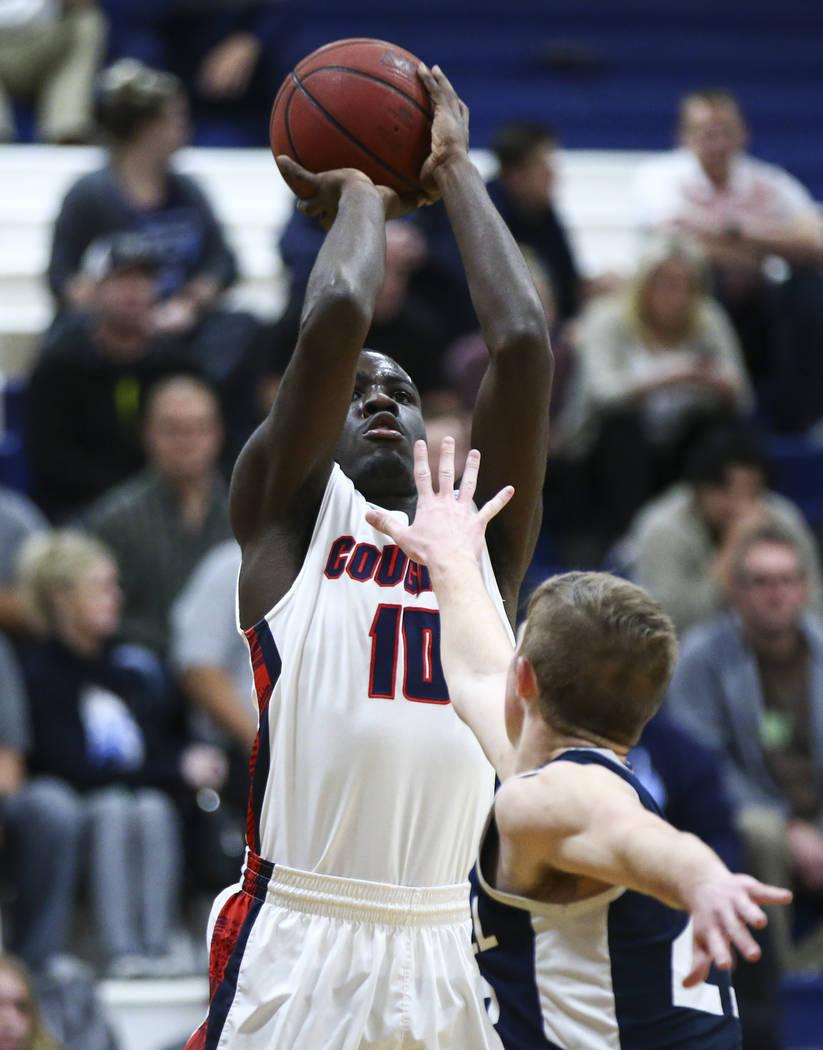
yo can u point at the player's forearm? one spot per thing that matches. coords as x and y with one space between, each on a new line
475 652
473 643
647 855
504 297
350 266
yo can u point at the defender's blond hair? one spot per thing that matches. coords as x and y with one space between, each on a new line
603 652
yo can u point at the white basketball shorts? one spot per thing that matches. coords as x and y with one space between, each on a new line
314 962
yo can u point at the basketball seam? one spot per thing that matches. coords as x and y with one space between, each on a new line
287 126
377 80
336 123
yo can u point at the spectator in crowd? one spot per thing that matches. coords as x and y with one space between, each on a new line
523 192
229 54
208 652
19 518
143 116
211 660
100 734
21 1027
750 683
679 545
33 813
86 392
405 325
467 357
445 416
654 361
741 209
160 523
693 794
693 797
50 52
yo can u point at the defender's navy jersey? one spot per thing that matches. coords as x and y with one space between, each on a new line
604 973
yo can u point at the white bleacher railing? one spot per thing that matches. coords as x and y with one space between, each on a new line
253 203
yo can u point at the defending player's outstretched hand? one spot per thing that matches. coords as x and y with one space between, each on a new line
444 528
723 909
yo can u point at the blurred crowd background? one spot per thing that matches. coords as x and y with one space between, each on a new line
687 448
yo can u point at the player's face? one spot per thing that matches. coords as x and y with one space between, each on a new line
384 421
771 591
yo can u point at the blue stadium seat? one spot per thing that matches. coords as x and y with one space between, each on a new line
798 474
803 1013
13 471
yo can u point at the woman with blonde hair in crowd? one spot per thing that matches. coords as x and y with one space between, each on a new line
21 1027
654 361
102 729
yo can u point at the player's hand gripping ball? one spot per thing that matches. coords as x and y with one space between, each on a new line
356 104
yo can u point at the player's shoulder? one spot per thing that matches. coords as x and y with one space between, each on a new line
552 797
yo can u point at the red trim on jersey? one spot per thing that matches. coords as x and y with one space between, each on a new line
227 930
263 684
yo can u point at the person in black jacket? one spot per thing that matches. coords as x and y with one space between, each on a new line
143 116
85 396
99 723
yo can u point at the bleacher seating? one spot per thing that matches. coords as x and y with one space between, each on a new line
609 75
253 203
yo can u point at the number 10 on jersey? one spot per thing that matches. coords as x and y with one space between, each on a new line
407 639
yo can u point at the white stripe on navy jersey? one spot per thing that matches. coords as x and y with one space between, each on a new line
604 973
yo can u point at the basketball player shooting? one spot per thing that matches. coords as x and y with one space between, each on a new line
596 923
351 925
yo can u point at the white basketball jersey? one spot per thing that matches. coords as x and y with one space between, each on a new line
362 769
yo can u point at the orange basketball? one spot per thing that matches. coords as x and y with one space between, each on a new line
356 104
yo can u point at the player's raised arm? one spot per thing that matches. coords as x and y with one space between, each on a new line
290 454
511 419
447 536
585 821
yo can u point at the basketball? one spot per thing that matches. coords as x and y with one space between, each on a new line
356 104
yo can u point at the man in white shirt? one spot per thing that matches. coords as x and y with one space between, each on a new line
742 210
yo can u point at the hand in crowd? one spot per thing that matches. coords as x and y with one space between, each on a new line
806 846
174 316
203 766
747 516
227 69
